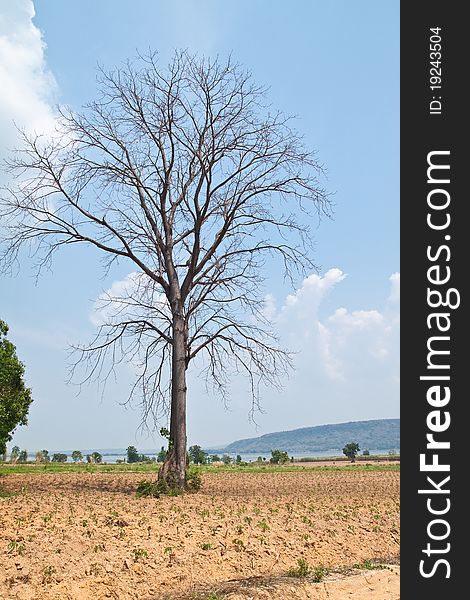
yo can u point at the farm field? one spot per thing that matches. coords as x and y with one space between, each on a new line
310 532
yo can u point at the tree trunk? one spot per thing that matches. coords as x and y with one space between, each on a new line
173 470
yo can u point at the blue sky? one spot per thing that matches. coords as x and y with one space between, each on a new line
333 64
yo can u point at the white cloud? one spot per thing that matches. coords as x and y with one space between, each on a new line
28 87
122 299
313 290
349 351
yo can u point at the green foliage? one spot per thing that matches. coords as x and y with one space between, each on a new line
94 457
59 457
23 456
193 479
139 553
149 468
134 457
238 460
48 573
263 525
301 571
278 457
350 450
146 489
226 459
206 546
132 454
319 573
15 452
161 455
77 456
164 432
15 397
155 489
16 547
197 455
365 452
214 458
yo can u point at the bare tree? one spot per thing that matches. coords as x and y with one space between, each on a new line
187 174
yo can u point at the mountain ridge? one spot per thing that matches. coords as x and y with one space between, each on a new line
380 434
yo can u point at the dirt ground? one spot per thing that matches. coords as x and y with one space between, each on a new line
244 536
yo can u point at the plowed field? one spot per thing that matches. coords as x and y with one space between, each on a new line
80 536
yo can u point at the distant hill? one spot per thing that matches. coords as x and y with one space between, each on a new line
379 434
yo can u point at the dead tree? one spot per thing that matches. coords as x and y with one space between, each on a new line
188 175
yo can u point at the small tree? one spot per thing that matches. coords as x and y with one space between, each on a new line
278 457
94 457
15 397
365 452
23 456
350 450
97 457
132 454
215 458
161 455
226 459
238 460
197 455
42 456
59 457
77 456
15 451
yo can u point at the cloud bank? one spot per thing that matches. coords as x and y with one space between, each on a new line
28 87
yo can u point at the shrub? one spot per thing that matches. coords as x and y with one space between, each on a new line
194 480
302 569
319 573
147 488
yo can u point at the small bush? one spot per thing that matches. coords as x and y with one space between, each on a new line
139 553
194 480
301 571
206 546
319 573
147 488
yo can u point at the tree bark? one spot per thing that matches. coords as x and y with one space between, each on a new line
173 470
